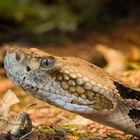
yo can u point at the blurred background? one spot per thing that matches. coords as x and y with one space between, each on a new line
60 21
104 32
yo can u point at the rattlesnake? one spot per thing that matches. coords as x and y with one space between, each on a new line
77 86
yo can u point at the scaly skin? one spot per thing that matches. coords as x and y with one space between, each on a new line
77 86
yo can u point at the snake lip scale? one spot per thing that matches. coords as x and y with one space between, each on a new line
77 86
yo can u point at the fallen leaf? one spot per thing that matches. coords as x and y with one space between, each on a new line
115 59
8 100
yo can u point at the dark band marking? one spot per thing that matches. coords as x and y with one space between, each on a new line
135 116
127 92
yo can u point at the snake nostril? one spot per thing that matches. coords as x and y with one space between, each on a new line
28 68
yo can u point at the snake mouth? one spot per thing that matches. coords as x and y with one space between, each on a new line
64 102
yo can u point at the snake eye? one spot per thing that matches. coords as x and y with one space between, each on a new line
47 62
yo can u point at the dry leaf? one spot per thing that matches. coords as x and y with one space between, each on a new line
8 100
115 59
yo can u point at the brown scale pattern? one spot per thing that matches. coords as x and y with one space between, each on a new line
70 84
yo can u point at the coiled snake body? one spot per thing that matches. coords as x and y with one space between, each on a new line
77 86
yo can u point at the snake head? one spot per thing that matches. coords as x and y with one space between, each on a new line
32 59
39 74
67 82
20 63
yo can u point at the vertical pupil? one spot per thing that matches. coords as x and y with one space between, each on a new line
46 61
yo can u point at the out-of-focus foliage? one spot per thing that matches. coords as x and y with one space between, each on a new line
39 16
38 20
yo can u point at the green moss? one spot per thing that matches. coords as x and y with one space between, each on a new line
67 130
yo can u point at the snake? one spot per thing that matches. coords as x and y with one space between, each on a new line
75 85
